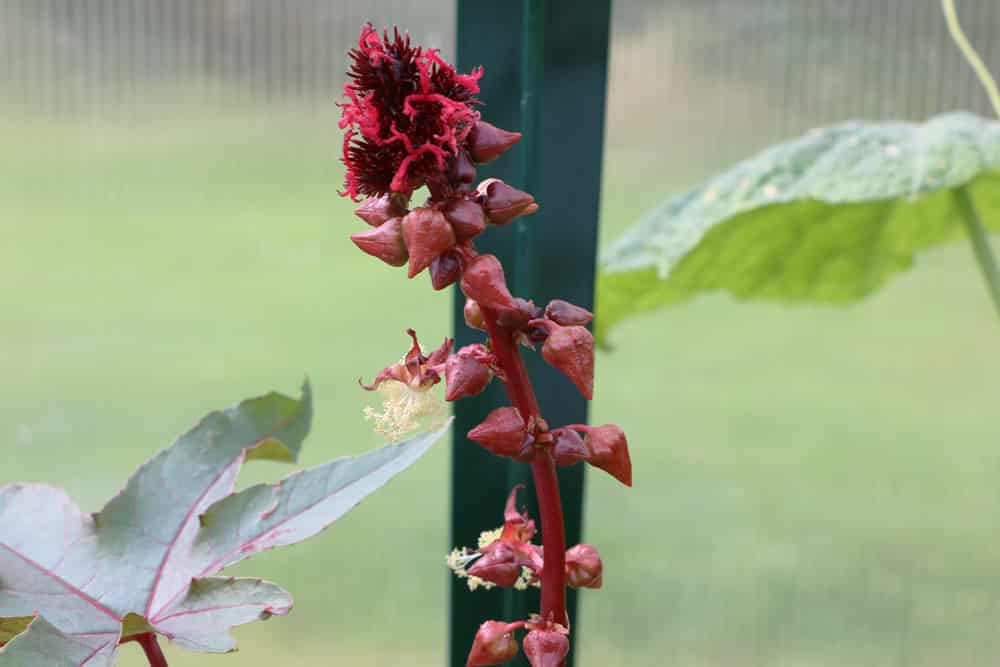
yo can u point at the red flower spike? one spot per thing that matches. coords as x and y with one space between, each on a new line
467 218
483 280
465 375
384 242
503 432
503 202
427 234
546 648
567 314
487 142
494 644
498 564
568 448
376 210
407 113
583 567
571 351
445 270
609 451
474 315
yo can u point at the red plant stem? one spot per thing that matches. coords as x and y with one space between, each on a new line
152 648
543 470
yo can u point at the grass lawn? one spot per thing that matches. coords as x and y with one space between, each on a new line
814 486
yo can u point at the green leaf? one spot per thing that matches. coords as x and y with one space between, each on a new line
146 561
825 217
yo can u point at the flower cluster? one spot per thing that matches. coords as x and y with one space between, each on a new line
411 122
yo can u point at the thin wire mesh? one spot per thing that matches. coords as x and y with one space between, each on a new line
96 57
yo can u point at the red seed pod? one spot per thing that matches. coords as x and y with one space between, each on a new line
461 169
608 449
568 448
376 210
571 351
483 280
384 242
583 567
474 315
445 269
567 314
494 644
504 202
546 648
467 218
427 234
465 376
517 318
487 142
498 564
503 432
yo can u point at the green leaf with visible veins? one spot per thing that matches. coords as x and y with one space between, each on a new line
825 217
146 562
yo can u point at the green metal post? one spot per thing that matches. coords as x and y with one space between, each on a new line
546 74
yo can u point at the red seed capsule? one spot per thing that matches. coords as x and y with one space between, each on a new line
498 565
494 644
567 314
445 269
503 202
474 315
568 448
571 351
487 142
546 648
427 234
384 242
584 568
503 432
608 449
467 218
483 280
465 376
376 210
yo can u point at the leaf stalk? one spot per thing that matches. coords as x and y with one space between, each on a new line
980 244
151 647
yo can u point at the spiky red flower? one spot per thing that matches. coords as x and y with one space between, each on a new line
408 113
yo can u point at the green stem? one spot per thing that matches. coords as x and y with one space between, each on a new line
980 244
970 55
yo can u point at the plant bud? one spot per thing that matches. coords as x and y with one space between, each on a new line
583 567
498 564
445 269
494 644
504 202
474 315
427 234
384 242
567 314
465 376
568 448
461 169
546 648
571 351
483 281
517 318
487 142
503 432
376 210
608 449
467 218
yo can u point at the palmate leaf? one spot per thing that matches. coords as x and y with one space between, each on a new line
74 585
825 217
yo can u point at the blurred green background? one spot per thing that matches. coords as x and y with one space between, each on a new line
814 486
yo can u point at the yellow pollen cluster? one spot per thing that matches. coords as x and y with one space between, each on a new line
404 410
457 560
